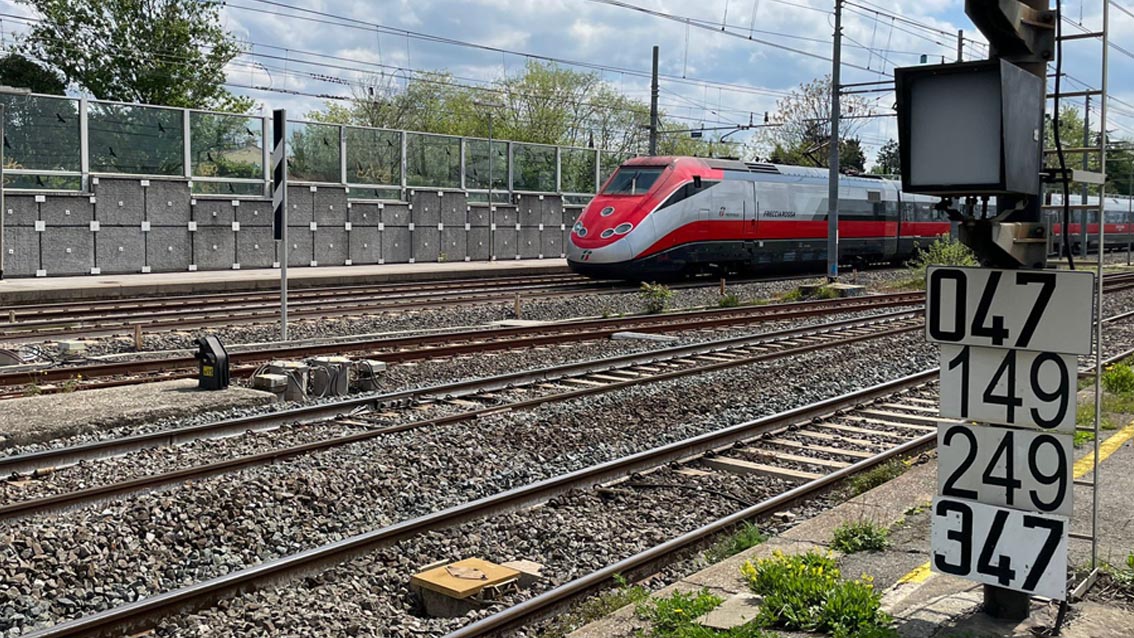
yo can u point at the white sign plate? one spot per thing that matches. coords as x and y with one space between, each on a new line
1024 469
1000 546
1010 387
1043 310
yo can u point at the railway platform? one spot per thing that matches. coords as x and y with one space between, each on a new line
97 287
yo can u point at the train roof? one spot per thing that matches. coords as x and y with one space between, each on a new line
754 167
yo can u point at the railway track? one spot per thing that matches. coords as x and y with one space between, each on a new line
804 451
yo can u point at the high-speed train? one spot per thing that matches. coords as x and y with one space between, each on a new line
664 217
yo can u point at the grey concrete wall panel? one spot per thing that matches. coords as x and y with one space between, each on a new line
530 217
169 249
300 206
214 212
426 244
330 206
255 247
167 203
504 243
570 216
68 210
426 208
20 210
120 202
506 216
299 239
69 251
119 249
552 240
365 244
552 210
529 243
479 216
21 251
214 248
395 215
256 213
454 244
479 243
365 214
453 207
331 245
395 245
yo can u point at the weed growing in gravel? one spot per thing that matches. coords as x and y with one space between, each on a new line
806 592
656 297
675 616
598 607
1082 437
747 536
1085 416
875 476
729 300
1118 379
942 252
1122 575
860 536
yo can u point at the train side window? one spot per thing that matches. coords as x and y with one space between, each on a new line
686 192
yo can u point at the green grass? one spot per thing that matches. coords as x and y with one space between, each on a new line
872 478
1085 416
729 300
1082 438
860 536
747 536
675 616
597 607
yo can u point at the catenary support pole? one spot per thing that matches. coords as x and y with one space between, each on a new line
654 106
1086 192
833 164
3 210
279 206
960 45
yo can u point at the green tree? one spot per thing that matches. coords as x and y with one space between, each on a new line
167 52
804 126
889 161
18 71
851 155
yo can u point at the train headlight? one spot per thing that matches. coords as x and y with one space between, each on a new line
623 228
607 212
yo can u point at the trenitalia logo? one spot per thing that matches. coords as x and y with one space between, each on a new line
586 255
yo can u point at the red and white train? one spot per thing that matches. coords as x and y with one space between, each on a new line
664 217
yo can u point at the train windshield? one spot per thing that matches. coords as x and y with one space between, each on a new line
633 180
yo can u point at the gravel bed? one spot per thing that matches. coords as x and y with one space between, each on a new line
143 544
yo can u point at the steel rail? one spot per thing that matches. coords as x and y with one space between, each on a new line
141 614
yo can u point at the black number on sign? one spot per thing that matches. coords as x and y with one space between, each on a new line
1054 536
966 463
1047 279
962 359
1058 477
1010 483
1002 571
935 280
997 332
963 537
1009 399
1062 392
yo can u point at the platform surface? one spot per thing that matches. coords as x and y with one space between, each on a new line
48 289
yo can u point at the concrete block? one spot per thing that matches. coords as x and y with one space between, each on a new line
365 244
254 212
551 214
119 202
331 246
68 251
479 243
66 210
214 212
530 216
119 249
169 249
551 240
300 205
505 216
529 243
479 216
426 209
21 251
364 214
167 202
426 244
504 243
570 216
395 245
395 215
214 248
330 206
454 215
454 244
255 247
20 210
300 246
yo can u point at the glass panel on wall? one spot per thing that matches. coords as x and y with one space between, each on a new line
137 140
43 182
477 165
373 156
41 133
226 146
433 160
577 200
578 166
610 162
533 168
394 194
313 152
235 189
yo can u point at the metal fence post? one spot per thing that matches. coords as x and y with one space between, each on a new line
186 133
342 155
84 146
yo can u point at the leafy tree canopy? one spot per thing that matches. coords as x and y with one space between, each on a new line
18 71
